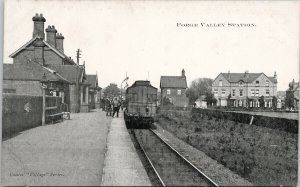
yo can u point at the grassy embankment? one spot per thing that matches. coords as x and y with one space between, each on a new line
261 155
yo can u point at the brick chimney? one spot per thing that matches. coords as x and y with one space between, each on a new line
229 75
38 26
39 51
51 35
60 42
182 73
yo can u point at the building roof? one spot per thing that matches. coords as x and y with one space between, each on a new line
93 80
62 55
281 93
236 77
31 71
70 72
173 82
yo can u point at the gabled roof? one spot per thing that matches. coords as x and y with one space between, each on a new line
236 77
93 80
70 72
30 71
173 82
62 55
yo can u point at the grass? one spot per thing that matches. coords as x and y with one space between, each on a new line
261 155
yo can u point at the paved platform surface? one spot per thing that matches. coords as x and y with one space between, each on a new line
70 153
122 166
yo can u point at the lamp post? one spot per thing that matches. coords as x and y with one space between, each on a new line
44 87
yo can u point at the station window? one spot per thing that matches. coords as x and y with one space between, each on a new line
168 91
267 83
220 83
252 92
233 92
256 83
256 92
267 92
178 92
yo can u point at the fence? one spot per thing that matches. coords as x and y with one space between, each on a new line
21 112
288 125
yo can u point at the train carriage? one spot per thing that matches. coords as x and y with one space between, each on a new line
141 104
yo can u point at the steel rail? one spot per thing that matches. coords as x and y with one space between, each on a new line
148 159
181 156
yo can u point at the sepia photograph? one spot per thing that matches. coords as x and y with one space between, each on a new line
150 93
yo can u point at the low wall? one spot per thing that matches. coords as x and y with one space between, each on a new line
288 125
21 112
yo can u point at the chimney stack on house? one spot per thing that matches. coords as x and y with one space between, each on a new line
51 35
38 26
228 74
39 51
246 74
60 42
275 75
182 73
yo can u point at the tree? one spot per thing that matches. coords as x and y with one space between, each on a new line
261 101
198 87
210 99
289 99
111 90
274 103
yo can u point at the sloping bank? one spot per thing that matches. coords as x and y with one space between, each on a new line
264 154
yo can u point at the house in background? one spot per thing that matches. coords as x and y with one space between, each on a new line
243 86
201 102
43 54
281 99
174 88
94 91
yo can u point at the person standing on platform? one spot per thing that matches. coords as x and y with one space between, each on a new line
116 107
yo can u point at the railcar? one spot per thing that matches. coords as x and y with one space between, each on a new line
141 105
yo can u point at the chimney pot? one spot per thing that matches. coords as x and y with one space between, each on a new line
38 26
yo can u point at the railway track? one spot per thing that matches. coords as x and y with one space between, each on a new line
169 166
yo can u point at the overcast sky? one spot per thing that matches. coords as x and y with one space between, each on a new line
138 37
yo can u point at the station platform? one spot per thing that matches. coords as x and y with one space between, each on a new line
122 165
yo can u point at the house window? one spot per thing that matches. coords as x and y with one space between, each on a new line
256 92
223 93
241 93
216 92
267 92
178 92
267 83
252 93
257 83
220 83
168 91
233 92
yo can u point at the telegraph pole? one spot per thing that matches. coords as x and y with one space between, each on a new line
78 53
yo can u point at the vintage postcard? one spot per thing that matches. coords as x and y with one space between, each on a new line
152 93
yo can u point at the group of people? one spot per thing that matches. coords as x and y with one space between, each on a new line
112 107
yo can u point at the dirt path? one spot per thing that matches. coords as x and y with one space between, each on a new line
67 153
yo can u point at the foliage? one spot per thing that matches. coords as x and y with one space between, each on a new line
198 87
261 101
111 90
289 99
210 98
166 102
274 102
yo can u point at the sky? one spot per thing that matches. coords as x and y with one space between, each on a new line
149 39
